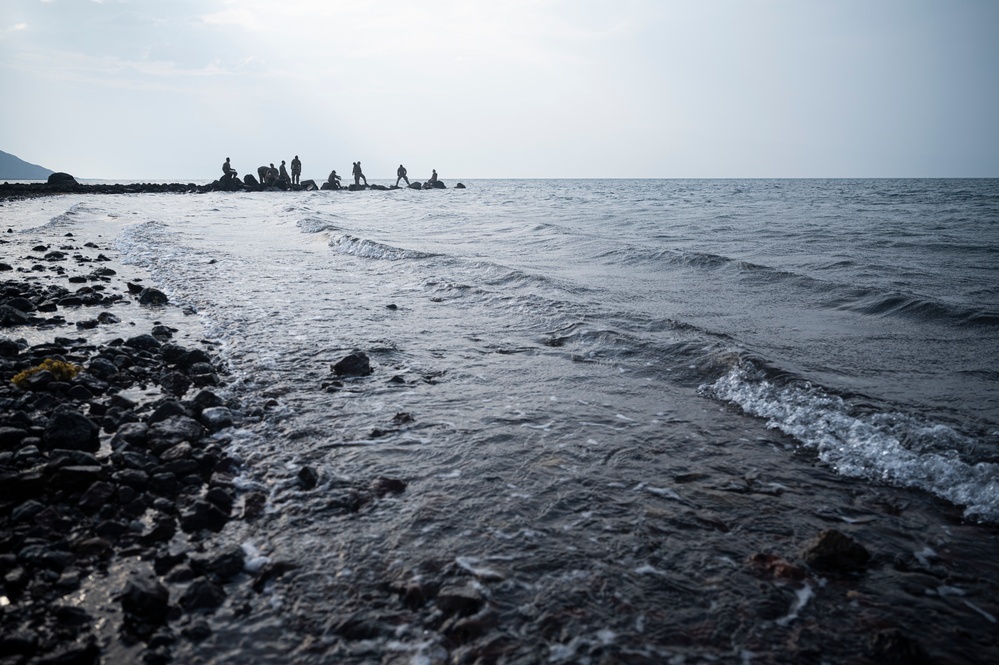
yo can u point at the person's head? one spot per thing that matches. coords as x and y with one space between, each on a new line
272 164
227 159
296 156
282 162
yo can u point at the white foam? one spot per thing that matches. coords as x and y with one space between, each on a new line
870 446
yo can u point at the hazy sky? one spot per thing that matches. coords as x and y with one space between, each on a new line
165 90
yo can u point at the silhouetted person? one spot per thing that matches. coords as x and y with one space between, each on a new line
227 169
359 175
334 180
400 174
262 174
284 173
296 171
433 178
272 175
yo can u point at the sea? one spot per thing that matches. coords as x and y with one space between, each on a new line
547 353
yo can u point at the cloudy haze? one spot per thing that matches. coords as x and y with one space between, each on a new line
128 89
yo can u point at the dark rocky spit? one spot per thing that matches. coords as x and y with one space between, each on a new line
64 183
117 492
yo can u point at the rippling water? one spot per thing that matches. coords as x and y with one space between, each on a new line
565 347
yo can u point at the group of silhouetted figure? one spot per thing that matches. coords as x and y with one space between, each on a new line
271 176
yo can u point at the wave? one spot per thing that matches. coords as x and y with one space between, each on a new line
371 249
873 443
316 225
879 303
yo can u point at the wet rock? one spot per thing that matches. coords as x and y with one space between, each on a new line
151 296
354 364
254 504
11 316
76 654
68 428
225 565
202 595
143 343
308 478
203 515
11 436
102 368
8 348
168 409
893 647
381 486
835 551
216 418
173 430
135 434
206 399
145 603
97 495
175 383
198 630
462 600
20 643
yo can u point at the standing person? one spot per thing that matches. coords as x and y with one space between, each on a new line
400 174
283 175
296 171
359 175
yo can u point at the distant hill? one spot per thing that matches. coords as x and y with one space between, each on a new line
15 168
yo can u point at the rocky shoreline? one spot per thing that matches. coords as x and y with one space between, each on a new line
109 470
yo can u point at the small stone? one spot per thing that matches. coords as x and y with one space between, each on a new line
308 477
381 486
202 595
834 550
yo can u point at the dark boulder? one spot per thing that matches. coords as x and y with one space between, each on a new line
203 515
416 185
62 180
143 343
459 186
151 296
145 603
70 429
309 185
12 316
439 185
355 364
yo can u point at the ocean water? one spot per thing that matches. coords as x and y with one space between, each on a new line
565 348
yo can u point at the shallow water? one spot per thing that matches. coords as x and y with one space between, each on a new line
595 371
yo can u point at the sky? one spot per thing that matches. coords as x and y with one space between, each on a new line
167 89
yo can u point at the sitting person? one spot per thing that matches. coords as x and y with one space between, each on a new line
272 175
433 178
227 169
334 180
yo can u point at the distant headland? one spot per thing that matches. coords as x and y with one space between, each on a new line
15 168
